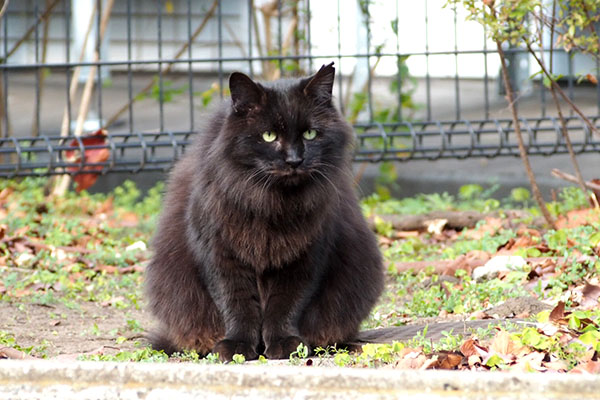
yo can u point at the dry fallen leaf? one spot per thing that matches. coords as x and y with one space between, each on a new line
590 367
558 313
503 345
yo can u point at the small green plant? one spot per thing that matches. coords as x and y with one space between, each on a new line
301 353
238 359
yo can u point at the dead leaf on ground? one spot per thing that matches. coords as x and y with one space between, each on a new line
490 227
558 313
14 354
590 294
590 367
576 218
505 346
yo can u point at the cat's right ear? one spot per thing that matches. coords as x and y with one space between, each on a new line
246 95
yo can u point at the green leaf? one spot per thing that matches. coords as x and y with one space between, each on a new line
546 81
495 361
238 359
520 194
471 191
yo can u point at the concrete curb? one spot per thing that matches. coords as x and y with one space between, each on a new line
99 380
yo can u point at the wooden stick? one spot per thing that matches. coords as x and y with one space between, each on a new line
64 130
63 182
42 78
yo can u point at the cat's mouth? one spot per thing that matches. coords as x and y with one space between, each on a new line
291 176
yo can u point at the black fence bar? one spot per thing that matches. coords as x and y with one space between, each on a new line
145 151
170 60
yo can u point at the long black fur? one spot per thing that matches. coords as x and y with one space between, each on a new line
262 245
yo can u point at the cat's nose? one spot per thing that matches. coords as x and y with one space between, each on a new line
293 159
294 162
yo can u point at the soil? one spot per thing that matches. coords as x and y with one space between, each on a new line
56 329
66 330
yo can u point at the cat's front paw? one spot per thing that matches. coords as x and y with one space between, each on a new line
282 347
226 348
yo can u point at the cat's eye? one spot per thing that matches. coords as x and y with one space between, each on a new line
269 136
309 134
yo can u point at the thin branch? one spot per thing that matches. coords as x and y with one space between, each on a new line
168 67
563 123
42 76
522 150
561 92
557 173
4 7
63 182
31 29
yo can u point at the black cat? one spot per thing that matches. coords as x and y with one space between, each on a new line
261 244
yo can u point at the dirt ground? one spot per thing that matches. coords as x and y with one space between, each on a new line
67 332
59 330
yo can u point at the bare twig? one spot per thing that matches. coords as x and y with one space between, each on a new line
522 150
31 29
168 66
63 182
64 130
42 78
563 123
561 92
4 7
570 178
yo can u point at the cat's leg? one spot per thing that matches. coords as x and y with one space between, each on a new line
234 289
284 293
179 299
348 291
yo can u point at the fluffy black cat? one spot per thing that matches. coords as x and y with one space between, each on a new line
261 244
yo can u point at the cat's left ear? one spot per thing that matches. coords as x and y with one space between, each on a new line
246 94
320 85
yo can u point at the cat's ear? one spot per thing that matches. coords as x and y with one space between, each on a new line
246 94
320 85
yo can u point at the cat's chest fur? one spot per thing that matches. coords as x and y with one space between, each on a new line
266 232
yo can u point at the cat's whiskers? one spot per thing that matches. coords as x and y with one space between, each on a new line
333 186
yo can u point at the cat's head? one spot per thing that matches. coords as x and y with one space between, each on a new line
288 131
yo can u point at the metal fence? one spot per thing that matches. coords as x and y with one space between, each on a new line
411 82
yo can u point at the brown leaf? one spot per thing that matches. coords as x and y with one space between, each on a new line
531 362
591 292
558 312
9 352
556 366
576 218
93 155
470 347
412 360
504 345
447 360
590 367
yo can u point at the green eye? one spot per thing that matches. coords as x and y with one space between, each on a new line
269 136
309 134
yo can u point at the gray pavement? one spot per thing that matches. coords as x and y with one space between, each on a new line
98 380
